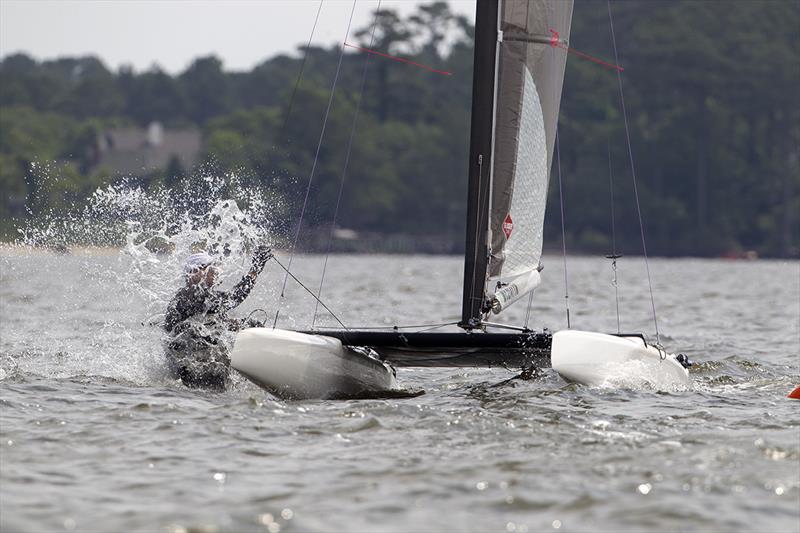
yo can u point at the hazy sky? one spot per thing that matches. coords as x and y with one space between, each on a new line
173 32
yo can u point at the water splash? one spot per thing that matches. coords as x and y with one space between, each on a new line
130 243
641 375
156 228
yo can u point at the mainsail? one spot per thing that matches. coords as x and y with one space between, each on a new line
518 74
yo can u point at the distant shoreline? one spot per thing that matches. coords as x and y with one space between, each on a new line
13 249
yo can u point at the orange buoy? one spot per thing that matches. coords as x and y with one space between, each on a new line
795 394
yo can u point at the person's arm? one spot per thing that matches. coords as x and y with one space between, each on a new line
241 290
174 315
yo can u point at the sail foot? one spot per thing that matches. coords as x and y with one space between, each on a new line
511 291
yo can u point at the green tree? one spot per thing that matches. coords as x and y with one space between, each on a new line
206 88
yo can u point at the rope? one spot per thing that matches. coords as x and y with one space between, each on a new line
314 165
254 311
528 311
309 291
633 172
614 256
346 163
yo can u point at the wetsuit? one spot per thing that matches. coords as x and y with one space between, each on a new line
194 300
195 352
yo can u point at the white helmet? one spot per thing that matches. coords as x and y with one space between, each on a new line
197 262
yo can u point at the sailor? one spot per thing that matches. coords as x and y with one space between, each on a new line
198 314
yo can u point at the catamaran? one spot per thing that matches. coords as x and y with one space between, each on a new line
519 61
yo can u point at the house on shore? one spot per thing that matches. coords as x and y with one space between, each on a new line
140 152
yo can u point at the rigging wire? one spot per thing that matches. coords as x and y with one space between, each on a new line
633 173
480 200
420 327
560 195
507 326
314 165
289 108
346 162
563 232
614 255
309 291
302 68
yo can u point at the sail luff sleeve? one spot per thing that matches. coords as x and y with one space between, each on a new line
531 74
482 121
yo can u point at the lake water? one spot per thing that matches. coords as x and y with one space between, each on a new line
95 436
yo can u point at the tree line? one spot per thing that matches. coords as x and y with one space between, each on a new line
711 92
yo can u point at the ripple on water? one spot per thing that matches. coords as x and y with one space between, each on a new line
137 451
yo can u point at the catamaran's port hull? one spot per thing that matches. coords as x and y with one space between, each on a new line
293 365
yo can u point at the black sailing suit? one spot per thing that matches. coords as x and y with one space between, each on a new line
199 300
195 352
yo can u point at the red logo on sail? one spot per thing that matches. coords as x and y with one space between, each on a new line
508 226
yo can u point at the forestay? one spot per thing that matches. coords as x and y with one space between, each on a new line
530 58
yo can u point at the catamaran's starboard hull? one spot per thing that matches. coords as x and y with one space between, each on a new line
294 365
598 359
462 349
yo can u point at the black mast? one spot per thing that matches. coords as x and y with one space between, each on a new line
480 162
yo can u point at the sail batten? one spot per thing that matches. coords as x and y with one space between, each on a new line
534 38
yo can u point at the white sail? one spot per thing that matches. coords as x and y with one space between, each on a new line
532 59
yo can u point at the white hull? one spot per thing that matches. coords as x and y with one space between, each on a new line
598 360
294 365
